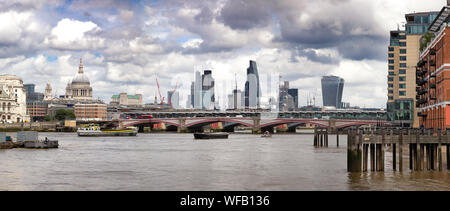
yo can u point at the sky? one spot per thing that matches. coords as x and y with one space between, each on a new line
125 45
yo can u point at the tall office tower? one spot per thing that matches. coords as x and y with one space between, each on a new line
433 70
235 100
198 91
294 94
403 55
208 90
174 99
191 96
332 88
252 87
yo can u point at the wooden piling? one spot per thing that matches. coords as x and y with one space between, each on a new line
400 151
353 153
394 157
365 156
421 157
372 157
337 138
439 151
448 156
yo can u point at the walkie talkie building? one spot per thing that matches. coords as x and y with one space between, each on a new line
332 88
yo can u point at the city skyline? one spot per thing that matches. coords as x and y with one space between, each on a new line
125 45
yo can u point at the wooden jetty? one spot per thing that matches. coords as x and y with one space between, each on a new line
425 149
321 136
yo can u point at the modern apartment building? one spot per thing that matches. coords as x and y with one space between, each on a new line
433 74
403 55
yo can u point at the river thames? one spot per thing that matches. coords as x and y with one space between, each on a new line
177 162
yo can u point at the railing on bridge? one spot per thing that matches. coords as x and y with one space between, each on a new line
353 115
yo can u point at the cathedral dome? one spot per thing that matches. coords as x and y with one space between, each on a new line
80 78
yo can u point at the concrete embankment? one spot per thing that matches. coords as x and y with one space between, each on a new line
35 126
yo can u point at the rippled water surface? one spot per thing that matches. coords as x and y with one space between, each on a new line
178 162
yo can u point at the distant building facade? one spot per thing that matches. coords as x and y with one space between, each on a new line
174 99
332 89
124 99
36 108
13 106
91 112
202 95
236 100
288 98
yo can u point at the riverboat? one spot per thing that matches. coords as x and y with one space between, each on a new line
94 131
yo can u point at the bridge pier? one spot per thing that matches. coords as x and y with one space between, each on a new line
354 154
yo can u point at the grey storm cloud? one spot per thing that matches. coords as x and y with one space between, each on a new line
243 14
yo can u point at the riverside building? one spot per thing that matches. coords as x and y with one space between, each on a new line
403 56
433 74
13 107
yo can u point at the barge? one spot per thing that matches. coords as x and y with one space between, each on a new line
95 131
211 135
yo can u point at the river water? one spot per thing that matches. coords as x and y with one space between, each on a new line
170 161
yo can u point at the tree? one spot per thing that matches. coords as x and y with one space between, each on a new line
64 114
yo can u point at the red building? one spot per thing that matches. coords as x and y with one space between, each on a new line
91 112
433 74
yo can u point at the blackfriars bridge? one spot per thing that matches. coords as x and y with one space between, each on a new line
258 121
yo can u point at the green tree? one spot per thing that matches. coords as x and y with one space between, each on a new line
64 114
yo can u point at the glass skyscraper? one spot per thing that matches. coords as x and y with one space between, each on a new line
252 87
332 88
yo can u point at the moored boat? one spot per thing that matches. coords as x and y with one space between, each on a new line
94 130
211 135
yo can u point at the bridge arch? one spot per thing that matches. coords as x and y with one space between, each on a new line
206 121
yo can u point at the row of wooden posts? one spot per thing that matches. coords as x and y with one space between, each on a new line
321 137
425 149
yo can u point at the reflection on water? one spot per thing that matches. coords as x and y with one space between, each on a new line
178 162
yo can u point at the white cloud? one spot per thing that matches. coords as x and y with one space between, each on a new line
72 34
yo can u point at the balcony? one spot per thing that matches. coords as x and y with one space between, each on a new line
432 86
432 63
422 91
421 114
421 101
420 82
433 52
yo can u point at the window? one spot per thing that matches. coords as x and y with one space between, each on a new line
402 86
391 55
391 73
391 61
402 51
391 91
391 98
391 85
402 64
402 58
402 79
402 43
390 79
391 49
391 67
402 93
402 71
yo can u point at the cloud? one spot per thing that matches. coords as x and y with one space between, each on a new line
244 15
71 34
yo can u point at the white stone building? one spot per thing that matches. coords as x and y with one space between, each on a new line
13 106
124 99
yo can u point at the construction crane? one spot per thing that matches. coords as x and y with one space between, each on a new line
174 90
160 96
